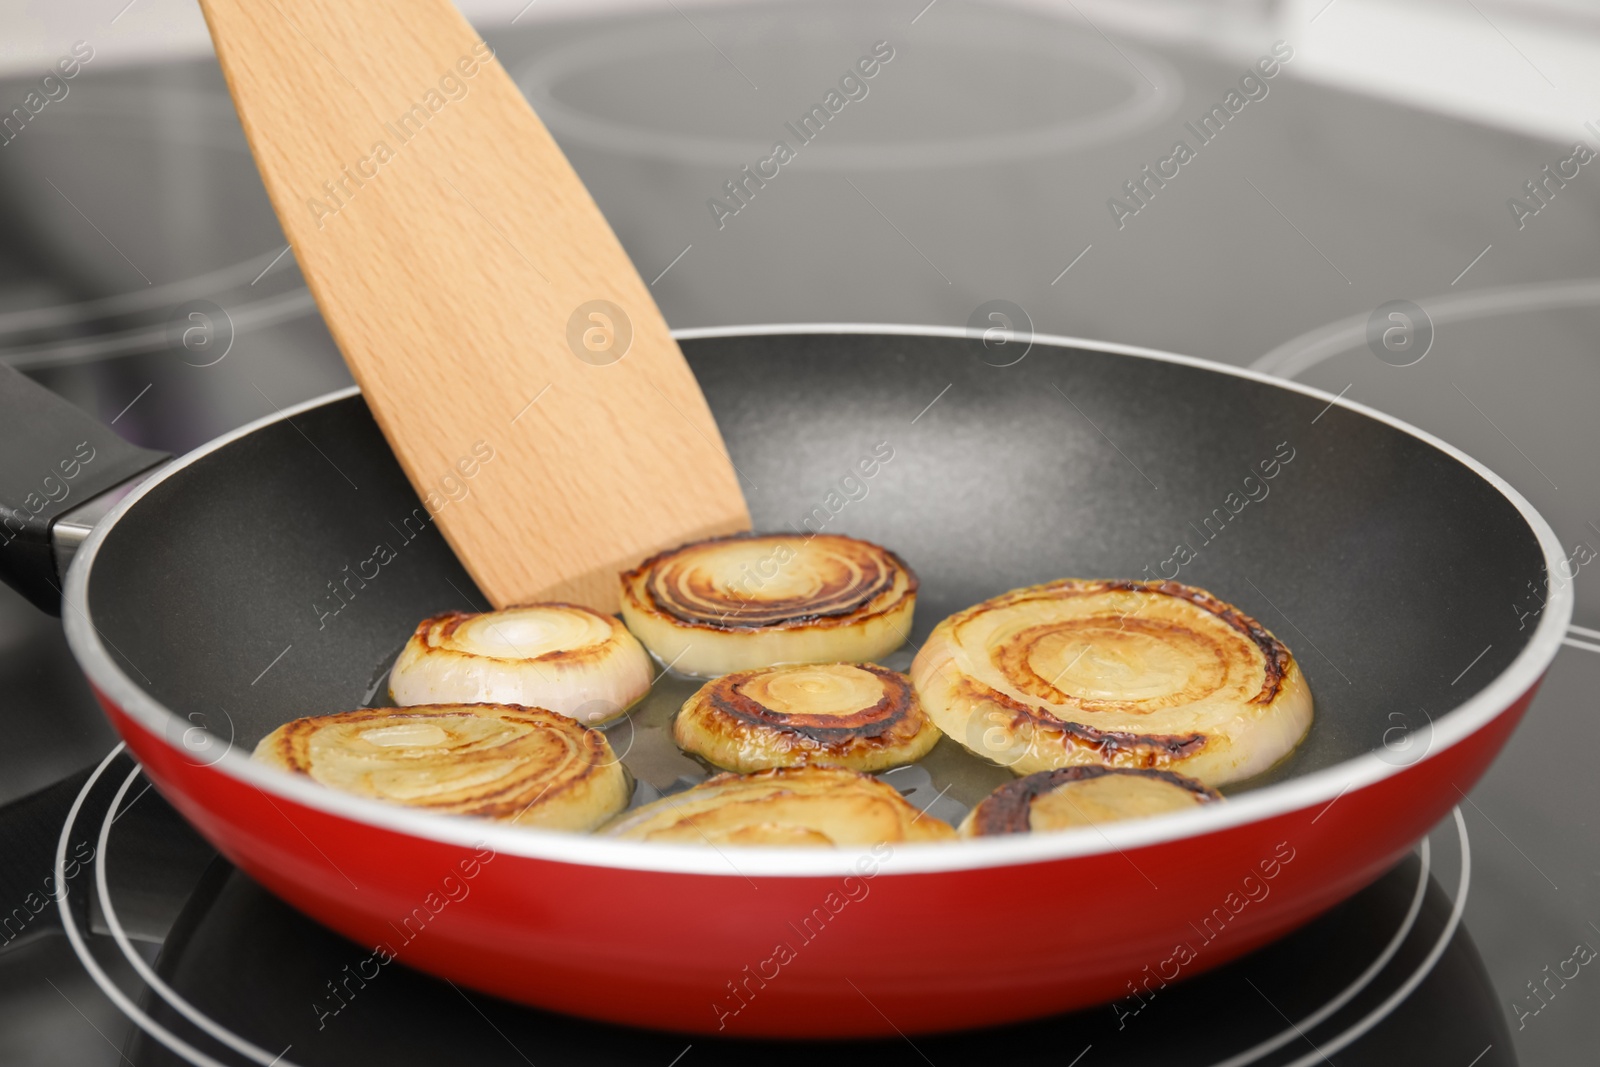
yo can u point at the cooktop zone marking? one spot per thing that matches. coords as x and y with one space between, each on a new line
1253 86
166 992
1425 968
811 124
70 925
713 44
1110 42
1305 351
1502 833
182 1048
1582 631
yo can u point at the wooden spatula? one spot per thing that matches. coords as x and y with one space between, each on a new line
478 295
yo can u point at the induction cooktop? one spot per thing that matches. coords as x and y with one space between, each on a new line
1003 159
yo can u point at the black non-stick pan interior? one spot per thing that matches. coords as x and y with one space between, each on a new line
277 575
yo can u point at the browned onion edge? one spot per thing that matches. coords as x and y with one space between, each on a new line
630 578
1109 743
1277 657
490 807
895 706
450 621
1008 809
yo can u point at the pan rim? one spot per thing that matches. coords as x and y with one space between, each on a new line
1313 789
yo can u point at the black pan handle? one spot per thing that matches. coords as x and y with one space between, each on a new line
54 458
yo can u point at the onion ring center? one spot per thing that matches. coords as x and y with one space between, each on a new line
1133 665
769 581
825 703
525 633
819 692
411 761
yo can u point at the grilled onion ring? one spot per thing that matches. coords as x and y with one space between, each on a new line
809 806
1113 673
733 603
863 717
521 765
564 657
1069 797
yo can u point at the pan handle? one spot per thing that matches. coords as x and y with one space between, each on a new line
54 458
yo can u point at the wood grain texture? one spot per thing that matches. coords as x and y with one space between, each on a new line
449 245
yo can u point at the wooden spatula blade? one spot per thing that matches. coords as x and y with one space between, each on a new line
505 343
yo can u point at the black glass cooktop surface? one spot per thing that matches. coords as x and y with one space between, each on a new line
1002 158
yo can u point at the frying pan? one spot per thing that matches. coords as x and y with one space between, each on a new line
215 602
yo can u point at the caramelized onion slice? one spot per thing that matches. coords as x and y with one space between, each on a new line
563 657
808 806
733 603
1069 797
1114 673
860 716
527 766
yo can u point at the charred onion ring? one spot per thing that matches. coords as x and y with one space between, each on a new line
815 806
733 603
563 657
863 717
1113 673
1069 797
522 765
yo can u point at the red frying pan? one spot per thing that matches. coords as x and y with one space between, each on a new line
1408 579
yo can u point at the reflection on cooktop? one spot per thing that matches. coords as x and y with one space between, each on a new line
1065 90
